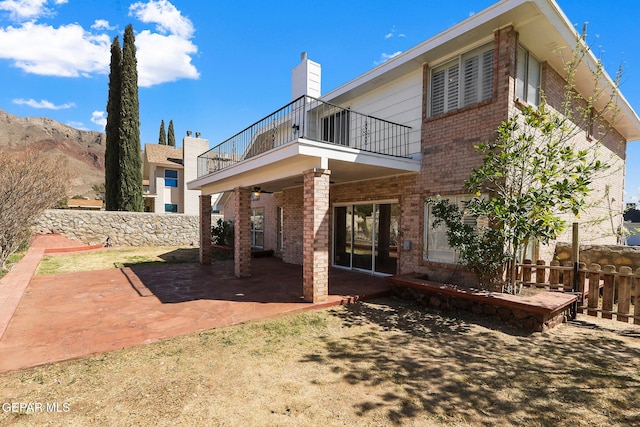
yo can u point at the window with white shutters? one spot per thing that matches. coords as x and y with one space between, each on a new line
464 81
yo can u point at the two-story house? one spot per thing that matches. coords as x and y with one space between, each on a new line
166 170
343 177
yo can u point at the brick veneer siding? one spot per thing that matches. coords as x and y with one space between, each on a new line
292 199
603 216
315 266
205 229
242 229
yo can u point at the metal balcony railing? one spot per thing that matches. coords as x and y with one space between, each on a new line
312 119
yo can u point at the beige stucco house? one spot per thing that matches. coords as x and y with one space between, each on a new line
341 179
166 171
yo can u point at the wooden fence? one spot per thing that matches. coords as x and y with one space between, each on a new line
618 292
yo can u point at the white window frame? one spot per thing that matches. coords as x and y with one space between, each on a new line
257 228
463 81
280 228
528 77
435 242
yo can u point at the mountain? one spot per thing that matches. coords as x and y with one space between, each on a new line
83 149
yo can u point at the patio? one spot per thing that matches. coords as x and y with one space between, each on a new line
72 315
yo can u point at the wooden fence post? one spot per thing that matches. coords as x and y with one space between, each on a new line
541 273
594 289
608 291
554 274
567 276
636 299
526 271
582 278
624 294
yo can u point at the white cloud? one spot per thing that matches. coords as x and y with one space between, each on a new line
77 125
99 118
71 51
67 51
164 59
43 104
394 33
21 10
102 24
386 56
169 20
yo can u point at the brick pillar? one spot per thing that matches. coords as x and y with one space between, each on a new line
205 229
315 264
242 230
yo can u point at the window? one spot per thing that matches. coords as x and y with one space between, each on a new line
527 78
335 128
464 81
436 244
280 228
171 208
257 227
170 178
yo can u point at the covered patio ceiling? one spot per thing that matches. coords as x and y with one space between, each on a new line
282 167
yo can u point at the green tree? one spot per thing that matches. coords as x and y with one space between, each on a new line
112 148
172 137
162 139
130 179
532 175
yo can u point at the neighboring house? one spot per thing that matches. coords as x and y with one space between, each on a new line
343 177
166 171
632 226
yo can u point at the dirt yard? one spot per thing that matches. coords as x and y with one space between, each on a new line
381 363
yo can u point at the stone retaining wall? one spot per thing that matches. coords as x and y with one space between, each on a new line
121 228
617 255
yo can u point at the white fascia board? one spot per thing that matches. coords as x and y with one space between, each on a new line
292 159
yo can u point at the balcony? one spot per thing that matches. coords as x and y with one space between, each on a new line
309 119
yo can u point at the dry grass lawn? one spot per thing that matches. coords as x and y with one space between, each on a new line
116 258
380 363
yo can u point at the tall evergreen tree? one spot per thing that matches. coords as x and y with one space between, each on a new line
130 196
162 140
172 137
112 150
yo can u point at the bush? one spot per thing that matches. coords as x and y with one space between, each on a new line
223 233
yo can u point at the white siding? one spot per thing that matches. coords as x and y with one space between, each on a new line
399 101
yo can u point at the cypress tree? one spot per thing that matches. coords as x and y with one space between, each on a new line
172 137
162 140
130 196
112 154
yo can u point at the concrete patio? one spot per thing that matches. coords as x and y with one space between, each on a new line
72 315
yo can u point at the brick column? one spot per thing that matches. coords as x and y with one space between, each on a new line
315 264
205 229
242 230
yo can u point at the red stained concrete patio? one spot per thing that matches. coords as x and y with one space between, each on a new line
67 316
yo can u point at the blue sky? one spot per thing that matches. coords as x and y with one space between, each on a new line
218 66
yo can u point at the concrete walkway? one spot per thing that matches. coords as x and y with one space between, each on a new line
67 316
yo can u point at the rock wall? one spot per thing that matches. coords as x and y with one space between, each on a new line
121 228
616 255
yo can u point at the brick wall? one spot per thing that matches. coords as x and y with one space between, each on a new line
602 217
293 225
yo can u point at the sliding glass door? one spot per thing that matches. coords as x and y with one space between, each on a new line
365 237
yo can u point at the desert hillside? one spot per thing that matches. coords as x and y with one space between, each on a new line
83 149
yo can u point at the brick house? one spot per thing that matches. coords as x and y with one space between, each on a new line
341 179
